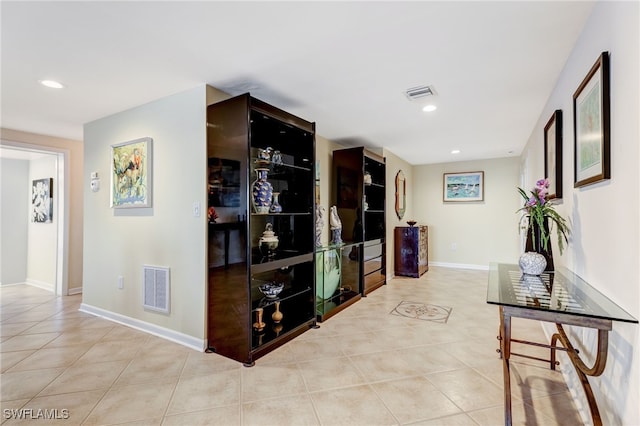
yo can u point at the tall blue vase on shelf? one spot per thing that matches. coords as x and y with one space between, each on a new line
262 192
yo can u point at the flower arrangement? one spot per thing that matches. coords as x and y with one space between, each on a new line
537 208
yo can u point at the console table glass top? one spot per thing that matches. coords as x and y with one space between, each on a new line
558 292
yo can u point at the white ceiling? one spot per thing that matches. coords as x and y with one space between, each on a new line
344 65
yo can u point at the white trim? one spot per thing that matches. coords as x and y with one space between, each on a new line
165 333
460 266
41 284
74 290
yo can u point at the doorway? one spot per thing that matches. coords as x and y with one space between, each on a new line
45 261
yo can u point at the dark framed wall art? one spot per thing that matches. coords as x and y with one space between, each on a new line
553 154
42 200
591 117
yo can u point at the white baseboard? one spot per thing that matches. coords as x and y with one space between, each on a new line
165 333
460 266
74 290
41 284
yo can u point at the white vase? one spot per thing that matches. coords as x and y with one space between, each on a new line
532 263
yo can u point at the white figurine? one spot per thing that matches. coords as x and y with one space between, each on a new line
336 226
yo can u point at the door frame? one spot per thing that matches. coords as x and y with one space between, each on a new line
61 286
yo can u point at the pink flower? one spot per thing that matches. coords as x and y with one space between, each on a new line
542 183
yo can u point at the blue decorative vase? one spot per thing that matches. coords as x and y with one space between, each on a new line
262 191
275 207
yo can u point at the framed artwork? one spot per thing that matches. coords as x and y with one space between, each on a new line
553 154
591 112
401 194
460 187
131 174
42 200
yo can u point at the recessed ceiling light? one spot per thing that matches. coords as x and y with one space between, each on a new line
51 83
429 108
455 151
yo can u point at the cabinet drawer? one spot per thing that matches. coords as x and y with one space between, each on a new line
372 265
372 251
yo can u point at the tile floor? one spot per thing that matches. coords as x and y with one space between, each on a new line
364 366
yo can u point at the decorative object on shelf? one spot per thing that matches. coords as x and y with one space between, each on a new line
319 224
366 178
461 187
131 174
401 194
335 225
591 125
553 154
271 290
264 156
212 215
532 263
276 158
328 271
262 192
259 325
411 223
42 200
538 211
277 315
365 205
275 205
269 241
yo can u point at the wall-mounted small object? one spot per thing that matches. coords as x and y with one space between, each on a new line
95 182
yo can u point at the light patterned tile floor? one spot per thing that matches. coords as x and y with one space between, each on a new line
364 366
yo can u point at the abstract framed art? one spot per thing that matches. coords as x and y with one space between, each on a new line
131 174
553 154
42 200
461 187
591 117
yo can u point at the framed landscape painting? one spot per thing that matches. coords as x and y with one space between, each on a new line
462 187
131 174
591 110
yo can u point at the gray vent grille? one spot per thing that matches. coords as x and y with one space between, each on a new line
155 284
420 92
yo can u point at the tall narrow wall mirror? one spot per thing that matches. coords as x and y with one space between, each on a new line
401 194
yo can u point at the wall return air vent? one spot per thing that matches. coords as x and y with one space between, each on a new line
155 288
419 92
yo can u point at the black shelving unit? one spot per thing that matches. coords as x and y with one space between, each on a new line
359 179
241 129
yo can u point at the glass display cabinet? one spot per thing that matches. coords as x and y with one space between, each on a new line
261 180
337 278
358 184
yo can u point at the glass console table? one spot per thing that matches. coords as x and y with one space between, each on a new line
561 298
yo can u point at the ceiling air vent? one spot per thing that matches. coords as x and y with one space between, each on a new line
419 92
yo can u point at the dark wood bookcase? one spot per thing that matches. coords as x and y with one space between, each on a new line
239 130
359 179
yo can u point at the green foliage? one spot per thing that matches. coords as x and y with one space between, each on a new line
536 209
